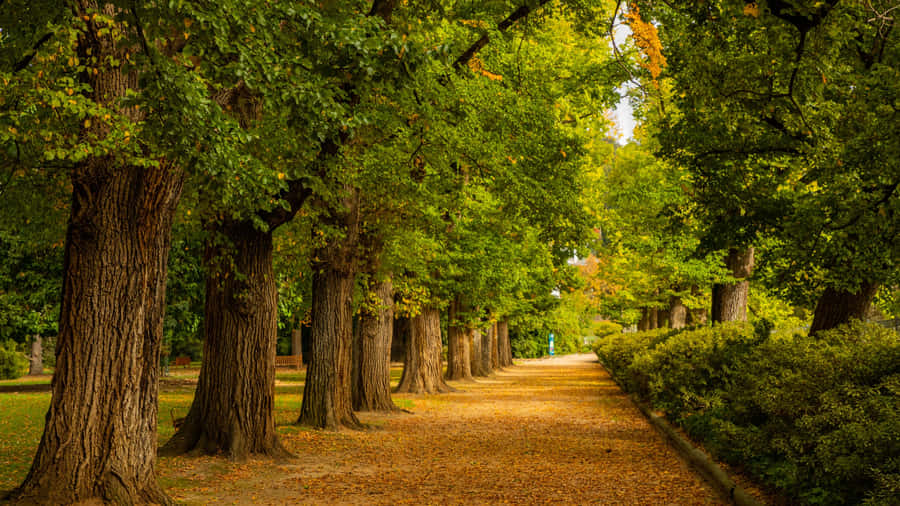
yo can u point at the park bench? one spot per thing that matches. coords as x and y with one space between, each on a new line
295 361
182 361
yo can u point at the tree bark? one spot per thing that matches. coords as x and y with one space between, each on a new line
487 351
644 323
459 366
836 307
327 398
36 359
233 408
297 344
327 394
503 344
475 342
495 350
729 300
662 318
422 371
372 354
99 440
677 313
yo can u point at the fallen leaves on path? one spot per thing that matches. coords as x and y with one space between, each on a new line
546 431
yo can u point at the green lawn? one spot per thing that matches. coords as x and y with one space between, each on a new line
22 417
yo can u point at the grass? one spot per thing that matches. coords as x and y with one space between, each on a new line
28 380
22 417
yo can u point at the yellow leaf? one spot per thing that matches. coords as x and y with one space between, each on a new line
752 10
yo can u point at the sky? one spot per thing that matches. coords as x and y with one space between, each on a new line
623 114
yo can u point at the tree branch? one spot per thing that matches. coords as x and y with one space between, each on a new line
24 62
479 44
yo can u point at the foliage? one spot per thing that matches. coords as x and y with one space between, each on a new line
13 363
818 417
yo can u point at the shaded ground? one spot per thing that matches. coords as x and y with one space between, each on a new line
546 431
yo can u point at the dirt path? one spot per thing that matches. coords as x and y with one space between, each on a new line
546 431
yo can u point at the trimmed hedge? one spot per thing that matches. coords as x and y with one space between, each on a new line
13 363
817 417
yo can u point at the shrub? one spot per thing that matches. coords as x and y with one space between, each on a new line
818 417
13 363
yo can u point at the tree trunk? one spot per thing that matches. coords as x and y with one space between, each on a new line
297 344
327 397
400 339
677 313
99 440
836 307
459 366
662 318
232 411
475 341
729 300
487 351
372 354
644 323
699 316
503 344
495 349
37 356
422 371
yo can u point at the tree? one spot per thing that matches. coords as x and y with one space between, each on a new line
781 109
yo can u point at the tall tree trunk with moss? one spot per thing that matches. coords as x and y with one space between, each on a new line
836 307
503 344
233 408
99 440
372 352
729 300
459 366
422 371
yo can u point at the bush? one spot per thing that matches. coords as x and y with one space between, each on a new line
13 363
817 417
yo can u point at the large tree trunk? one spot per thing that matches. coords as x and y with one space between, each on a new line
372 354
729 300
99 439
677 313
327 398
836 307
459 366
422 371
36 360
662 318
327 394
475 361
232 410
503 344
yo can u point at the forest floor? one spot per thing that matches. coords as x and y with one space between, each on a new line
544 431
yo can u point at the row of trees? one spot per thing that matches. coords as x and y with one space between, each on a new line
411 157
763 153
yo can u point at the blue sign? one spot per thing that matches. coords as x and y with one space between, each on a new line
552 348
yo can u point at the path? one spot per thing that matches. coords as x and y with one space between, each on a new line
546 431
